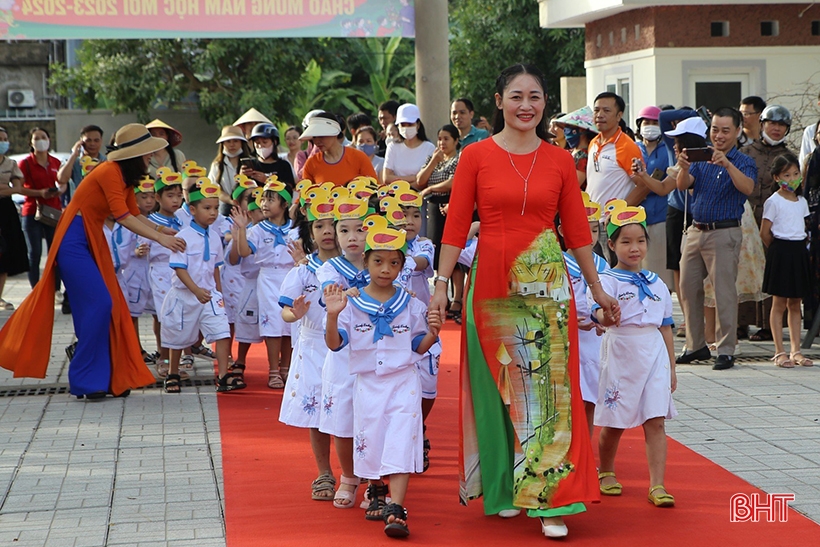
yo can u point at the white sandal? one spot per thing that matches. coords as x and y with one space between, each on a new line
348 496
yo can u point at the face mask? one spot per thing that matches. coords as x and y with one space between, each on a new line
572 136
368 149
264 153
4 147
408 132
768 140
230 154
790 185
41 145
651 132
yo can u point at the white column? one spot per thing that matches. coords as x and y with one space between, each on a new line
432 63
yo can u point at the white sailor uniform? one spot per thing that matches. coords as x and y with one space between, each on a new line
381 338
135 273
419 283
589 343
336 417
269 245
159 273
182 316
635 369
302 399
246 328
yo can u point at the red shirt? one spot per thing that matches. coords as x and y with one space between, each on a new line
37 177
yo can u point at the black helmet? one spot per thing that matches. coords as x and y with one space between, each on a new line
776 113
266 131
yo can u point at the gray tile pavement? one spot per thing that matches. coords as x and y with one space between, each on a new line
147 470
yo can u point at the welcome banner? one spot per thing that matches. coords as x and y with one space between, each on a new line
88 19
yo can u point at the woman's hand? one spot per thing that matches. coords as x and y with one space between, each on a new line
171 242
168 231
439 301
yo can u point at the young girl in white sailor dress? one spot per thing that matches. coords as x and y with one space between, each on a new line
637 356
386 330
246 326
589 332
300 300
268 242
336 411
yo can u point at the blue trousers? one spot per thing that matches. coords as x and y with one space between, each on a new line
90 369
35 232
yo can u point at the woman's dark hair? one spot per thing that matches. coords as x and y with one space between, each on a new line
219 160
614 237
133 169
422 134
626 129
453 131
338 119
293 128
368 129
31 134
304 226
170 150
503 81
689 140
783 162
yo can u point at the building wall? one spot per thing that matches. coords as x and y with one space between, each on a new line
690 26
789 76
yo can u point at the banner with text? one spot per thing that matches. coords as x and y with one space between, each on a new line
89 19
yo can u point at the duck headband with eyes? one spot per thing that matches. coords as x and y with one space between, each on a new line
242 183
593 209
273 184
380 237
301 188
622 216
166 177
320 209
363 187
349 208
389 207
145 185
191 165
204 189
255 201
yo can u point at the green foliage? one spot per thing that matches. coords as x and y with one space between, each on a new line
284 78
489 35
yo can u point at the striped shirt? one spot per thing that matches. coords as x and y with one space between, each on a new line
714 196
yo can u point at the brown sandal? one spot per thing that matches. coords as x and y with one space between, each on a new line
275 380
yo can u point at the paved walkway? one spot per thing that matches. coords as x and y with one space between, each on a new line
146 470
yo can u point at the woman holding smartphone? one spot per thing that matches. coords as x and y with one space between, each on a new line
40 187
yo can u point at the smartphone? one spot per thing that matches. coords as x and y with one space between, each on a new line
698 154
53 190
246 162
658 174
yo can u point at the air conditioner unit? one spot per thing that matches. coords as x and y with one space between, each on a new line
22 98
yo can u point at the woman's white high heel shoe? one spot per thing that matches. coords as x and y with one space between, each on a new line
554 530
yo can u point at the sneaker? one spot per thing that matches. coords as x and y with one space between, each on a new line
723 362
703 354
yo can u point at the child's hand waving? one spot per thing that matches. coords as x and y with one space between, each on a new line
335 299
297 252
300 307
240 217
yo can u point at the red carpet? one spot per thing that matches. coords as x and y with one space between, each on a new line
268 468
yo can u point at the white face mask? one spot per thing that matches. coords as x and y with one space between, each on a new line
408 132
264 153
768 140
41 145
230 154
651 132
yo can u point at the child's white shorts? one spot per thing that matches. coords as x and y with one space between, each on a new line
428 371
159 277
183 317
246 327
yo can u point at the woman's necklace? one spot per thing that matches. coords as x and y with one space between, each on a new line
525 179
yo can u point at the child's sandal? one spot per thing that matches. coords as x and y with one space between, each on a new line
172 383
203 351
782 360
661 500
376 493
162 368
229 382
275 380
323 488
346 499
612 489
238 370
393 528
799 359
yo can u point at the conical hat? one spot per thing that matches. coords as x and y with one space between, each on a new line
252 116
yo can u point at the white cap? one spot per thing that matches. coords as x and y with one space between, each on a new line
694 125
321 127
408 113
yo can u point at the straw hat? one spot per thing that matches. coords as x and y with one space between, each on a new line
582 118
134 140
231 132
252 116
174 135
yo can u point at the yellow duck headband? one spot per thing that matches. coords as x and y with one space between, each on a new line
621 215
166 177
145 185
273 184
593 210
380 237
242 183
255 201
204 189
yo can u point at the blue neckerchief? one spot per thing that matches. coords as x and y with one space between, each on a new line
168 222
203 231
313 262
641 279
354 277
381 313
279 232
114 242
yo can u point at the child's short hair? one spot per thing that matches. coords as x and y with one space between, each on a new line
614 237
368 252
168 187
268 194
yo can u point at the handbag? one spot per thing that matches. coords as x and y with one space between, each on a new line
45 214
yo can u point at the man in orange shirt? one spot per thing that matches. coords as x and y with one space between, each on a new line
334 162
